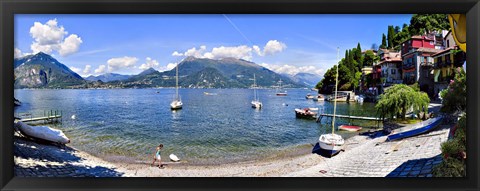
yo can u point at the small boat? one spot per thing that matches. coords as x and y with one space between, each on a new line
280 93
176 103
424 127
42 132
331 143
16 102
305 113
319 98
309 96
342 96
349 128
255 102
207 93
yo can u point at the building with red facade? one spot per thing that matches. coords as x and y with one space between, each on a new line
417 61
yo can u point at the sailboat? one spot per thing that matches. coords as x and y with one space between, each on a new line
281 93
332 143
177 102
255 102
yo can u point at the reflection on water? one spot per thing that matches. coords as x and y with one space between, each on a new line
220 127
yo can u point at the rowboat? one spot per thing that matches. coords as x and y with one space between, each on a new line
42 132
305 113
349 128
423 127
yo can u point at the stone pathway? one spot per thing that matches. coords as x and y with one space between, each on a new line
42 160
411 157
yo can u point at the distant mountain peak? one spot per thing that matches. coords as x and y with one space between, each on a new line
148 71
190 58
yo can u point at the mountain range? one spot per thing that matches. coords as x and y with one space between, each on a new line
108 77
43 71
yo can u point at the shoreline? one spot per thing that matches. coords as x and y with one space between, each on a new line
361 152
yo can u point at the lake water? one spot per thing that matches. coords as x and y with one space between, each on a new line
129 123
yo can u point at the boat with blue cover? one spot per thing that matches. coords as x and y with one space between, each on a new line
423 127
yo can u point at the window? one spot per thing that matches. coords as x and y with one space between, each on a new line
448 43
394 71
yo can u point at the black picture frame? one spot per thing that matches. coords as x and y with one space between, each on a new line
8 8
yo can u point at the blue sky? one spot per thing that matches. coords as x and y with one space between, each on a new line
128 44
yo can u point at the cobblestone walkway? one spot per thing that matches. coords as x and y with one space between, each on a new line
411 157
39 160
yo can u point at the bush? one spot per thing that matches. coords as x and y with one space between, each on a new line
454 98
454 153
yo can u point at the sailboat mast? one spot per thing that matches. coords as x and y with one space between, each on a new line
254 91
335 98
176 83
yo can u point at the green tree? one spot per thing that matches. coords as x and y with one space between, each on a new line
370 58
384 41
391 34
426 23
397 100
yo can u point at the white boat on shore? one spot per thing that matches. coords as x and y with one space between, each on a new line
42 132
332 143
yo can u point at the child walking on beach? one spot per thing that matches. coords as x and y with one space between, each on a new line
158 157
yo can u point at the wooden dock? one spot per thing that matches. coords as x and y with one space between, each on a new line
46 118
351 117
51 116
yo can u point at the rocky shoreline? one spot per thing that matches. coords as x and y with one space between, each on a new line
364 156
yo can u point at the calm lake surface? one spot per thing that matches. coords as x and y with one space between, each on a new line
127 124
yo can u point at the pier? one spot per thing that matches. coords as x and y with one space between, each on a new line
351 117
48 117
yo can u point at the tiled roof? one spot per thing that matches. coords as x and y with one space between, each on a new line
431 50
446 50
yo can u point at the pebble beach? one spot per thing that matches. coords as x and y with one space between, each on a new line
364 156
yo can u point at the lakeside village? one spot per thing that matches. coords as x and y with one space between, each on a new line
418 85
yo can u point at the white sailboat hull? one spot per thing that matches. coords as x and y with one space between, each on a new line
176 104
43 132
331 143
256 104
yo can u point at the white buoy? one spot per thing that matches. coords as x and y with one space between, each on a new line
73 117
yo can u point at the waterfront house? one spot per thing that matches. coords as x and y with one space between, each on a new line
417 62
389 67
445 63
366 77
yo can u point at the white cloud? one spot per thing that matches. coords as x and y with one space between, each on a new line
70 45
115 64
76 70
292 70
87 69
17 53
101 69
177 54
196 52
82 72
274 46
171 66
150 63
243 52
240 52
50 37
